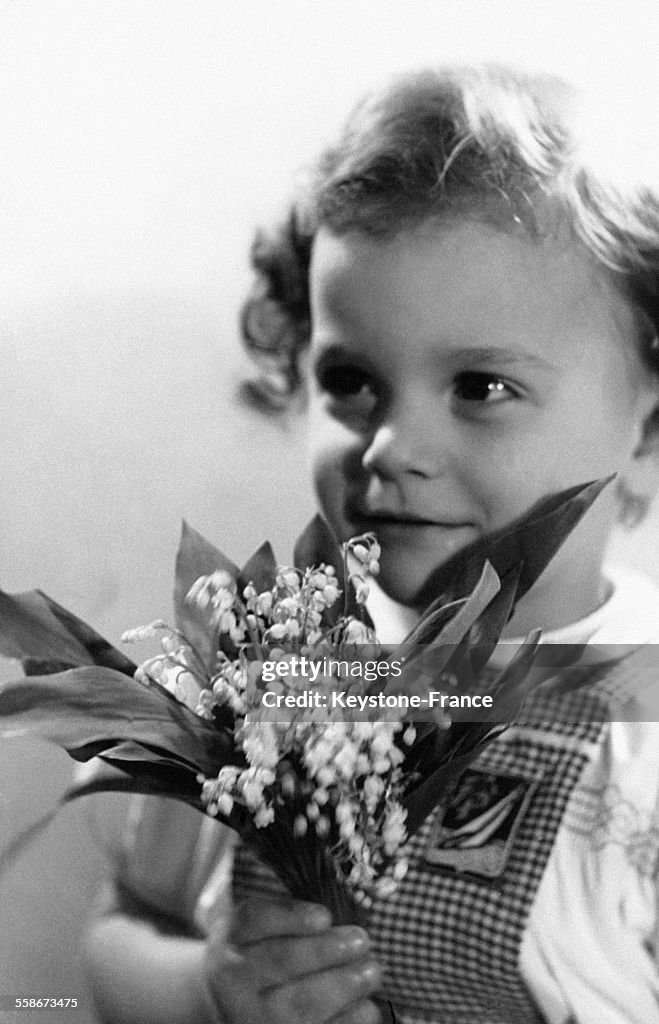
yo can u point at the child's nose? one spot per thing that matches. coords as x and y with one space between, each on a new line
407 444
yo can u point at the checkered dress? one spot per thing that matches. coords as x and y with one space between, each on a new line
449 940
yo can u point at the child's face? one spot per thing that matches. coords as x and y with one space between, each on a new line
460 374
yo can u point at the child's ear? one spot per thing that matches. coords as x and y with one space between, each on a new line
638 483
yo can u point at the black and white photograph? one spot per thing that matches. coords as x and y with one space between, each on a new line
329 512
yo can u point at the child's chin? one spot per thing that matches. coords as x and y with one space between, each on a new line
411 557
404 585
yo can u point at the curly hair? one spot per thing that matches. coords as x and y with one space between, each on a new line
487 142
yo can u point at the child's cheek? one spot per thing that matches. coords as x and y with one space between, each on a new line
325 459
330 491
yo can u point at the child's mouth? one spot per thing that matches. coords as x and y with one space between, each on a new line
382 521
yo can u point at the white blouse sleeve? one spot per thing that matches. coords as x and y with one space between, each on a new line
591 947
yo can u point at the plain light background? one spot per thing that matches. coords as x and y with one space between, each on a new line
142 141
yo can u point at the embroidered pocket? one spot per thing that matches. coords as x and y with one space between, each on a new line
474 832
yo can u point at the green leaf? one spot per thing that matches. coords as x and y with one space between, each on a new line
133 777
445 754
30 629
100 650
260 569
440 646
432 744
197 557
87 710
435 789
530 542
141 752
452 632
49 639
35 667
513 682
317 545
486 631
146 780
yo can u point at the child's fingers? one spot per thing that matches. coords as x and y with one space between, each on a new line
275 961
238 997
363 1012
318 998
286 964
255 920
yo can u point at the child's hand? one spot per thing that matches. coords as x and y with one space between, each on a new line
283 963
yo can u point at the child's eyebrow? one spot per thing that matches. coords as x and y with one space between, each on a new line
495 354
471 355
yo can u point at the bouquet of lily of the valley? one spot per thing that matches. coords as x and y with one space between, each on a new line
271 705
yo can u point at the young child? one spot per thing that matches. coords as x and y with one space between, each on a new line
472 285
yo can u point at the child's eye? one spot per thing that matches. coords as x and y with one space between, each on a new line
350 387
482 387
